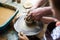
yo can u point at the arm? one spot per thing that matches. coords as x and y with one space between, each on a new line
39 3
44 11
47 20
40 12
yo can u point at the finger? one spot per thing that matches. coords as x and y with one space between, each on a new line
20 34
20 37
29 14
23 37
29 11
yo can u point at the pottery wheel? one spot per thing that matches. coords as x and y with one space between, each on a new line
21 26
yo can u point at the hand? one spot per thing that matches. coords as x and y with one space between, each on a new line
36 14
22 36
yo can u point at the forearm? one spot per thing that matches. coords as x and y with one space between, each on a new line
47 20
45 11
39 3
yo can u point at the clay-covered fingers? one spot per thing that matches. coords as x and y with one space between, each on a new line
35 14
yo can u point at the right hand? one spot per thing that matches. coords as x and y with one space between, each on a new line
36 14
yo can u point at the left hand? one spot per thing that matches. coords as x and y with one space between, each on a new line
22 36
